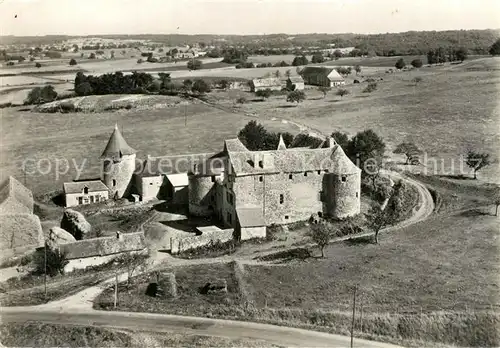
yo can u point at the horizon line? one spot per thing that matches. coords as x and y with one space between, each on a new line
254 34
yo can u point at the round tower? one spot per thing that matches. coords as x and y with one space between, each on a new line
343 186
118 165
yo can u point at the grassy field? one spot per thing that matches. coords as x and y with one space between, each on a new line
453 109
81 137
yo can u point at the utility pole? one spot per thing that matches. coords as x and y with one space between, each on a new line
353 315
45 270
116 288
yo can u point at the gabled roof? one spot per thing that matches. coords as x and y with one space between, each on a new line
250 216
78 186
328 71
178 180
164 165
104 246
15 198
234 145
292 160
296 79
268 81
117 146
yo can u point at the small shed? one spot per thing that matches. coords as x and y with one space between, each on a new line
295 83
250 223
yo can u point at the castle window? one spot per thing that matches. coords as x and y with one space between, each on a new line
151 183
320 214
261 178
213 178
114 182
282 199
261 164
357 194
344 179
319 172
86 190
286 217
305 173
290 176
326 170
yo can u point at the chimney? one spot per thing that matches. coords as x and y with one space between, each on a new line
331 142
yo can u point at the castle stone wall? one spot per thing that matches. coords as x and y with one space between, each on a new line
344 193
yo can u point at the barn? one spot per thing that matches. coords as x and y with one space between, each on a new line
325 76
272 83
296 81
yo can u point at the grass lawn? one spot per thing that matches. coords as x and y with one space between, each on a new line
80 138
453 109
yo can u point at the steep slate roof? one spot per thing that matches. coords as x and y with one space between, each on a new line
250 216
234 145
104 246
78 186
20 231
117 146
281 144
15 197
291 161
328 71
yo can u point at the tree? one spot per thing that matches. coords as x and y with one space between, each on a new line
277 74
187 84
50 259
496 200
342 92
409 149
83 88
112 53
194 64
495 48
400 64
253 136
477 161
165 79
461 54
288 73
337 54
264 93
341 138
38 65
72 62
324 90
92 55
357 68
39 95
132 261
317 58
300 60
366 149
378 218
321 234
296 96
372 86
200 86
417 63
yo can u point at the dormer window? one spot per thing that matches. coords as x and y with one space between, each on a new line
86 190
261 164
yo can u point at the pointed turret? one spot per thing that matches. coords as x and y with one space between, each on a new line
281 144
117 146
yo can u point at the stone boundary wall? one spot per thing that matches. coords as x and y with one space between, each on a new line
180 244
239 274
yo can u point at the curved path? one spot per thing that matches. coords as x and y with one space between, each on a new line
273 334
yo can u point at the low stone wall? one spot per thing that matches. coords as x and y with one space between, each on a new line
180 244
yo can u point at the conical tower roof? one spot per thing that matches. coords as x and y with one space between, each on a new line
281 144
117 146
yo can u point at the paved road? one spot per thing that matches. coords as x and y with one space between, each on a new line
279 335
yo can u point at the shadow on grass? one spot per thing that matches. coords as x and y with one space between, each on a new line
359 241
256 100
334 100
457 177
474 212
287 255
287 106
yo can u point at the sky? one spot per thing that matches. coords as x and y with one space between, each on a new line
89 17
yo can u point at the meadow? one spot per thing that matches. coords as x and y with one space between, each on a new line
80 138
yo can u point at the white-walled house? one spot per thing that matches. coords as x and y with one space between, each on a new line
85 192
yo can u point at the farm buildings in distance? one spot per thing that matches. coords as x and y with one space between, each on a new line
246 190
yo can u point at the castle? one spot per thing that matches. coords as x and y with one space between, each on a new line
244 189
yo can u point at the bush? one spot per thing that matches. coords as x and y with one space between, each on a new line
55 261
372 86
72 62
38 65
300 60
66 107
296 96
200 86
241 100
264 93
417 63
53 55
39 95
83 89
194 64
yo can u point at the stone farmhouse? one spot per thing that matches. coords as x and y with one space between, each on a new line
272 83
324 75
20 229
246 190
